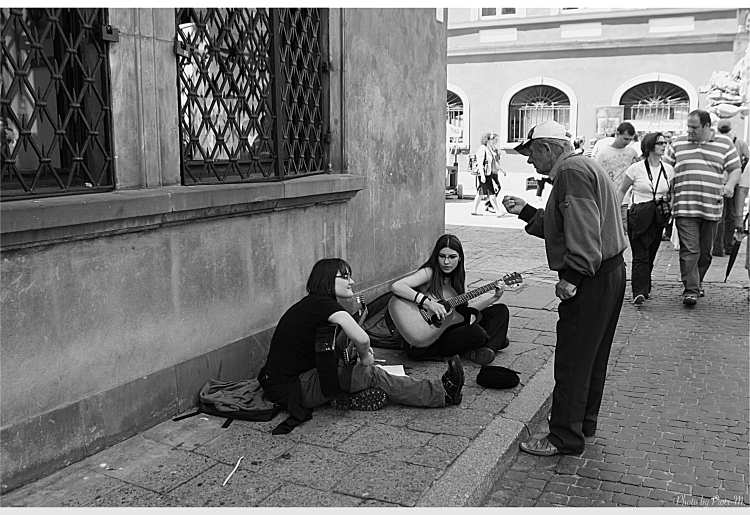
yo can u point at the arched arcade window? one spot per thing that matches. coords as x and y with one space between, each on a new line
455 117
534 105
652 103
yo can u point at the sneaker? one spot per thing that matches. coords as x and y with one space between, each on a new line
690 299
371 399
480 356
638 300
453 382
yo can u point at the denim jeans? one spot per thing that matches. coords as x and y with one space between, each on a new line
428 393
696 239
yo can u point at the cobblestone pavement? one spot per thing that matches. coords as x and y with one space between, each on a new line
673 428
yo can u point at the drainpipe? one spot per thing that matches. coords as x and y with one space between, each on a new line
344 154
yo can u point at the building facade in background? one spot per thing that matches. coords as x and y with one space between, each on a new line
587 68
170 176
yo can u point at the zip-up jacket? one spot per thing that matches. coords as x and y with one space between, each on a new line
581 224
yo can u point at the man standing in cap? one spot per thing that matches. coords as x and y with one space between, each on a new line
724 239
584 240
700 160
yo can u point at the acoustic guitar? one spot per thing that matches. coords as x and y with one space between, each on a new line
332 344
420 329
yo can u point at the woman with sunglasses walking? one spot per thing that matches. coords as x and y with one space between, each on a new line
651 182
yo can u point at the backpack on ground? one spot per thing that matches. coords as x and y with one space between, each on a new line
379 325
243 400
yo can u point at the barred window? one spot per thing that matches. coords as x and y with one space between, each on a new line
253 105
534 105
55 117
656 101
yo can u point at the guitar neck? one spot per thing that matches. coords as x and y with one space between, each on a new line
466 297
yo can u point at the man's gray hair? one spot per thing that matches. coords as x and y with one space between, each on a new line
562 145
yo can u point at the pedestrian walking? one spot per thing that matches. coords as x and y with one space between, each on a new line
651 181
584 243
497 154
617 157
484 159
724 239
700 160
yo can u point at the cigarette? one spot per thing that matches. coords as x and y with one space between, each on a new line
380 360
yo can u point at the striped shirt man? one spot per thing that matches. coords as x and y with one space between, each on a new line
699 174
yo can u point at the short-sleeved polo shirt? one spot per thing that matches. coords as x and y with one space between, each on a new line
699 168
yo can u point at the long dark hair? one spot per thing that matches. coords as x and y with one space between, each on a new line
323 276
457 277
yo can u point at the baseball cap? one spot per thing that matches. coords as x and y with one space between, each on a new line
549 129
724 126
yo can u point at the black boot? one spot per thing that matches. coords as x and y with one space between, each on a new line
453 382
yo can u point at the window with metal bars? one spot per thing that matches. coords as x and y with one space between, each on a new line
656 100
455 114
252 97
55 117
534 105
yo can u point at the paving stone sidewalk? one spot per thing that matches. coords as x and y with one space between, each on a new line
673 428
397 456
677 397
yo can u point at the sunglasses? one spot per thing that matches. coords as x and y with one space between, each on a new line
661 143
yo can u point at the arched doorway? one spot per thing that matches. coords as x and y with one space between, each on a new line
656 105
534 105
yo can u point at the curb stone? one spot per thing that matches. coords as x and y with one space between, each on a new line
471 477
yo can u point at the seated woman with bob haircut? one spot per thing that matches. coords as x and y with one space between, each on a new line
290 377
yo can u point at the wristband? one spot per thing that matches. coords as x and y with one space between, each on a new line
415 297
425 298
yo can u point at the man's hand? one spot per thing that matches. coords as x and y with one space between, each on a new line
565 290
513 205
727 192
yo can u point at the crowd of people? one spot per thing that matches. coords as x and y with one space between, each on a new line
617 195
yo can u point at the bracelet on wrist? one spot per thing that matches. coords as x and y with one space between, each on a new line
415 297
424 299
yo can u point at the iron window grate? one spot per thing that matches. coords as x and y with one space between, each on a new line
251 96
54 103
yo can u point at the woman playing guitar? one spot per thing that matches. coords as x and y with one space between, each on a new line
443 277
290 376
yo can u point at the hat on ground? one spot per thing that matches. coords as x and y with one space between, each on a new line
497 377
724 126
549 129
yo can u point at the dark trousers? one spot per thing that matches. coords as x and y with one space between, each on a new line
585 331
644 248
724 240
490 331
